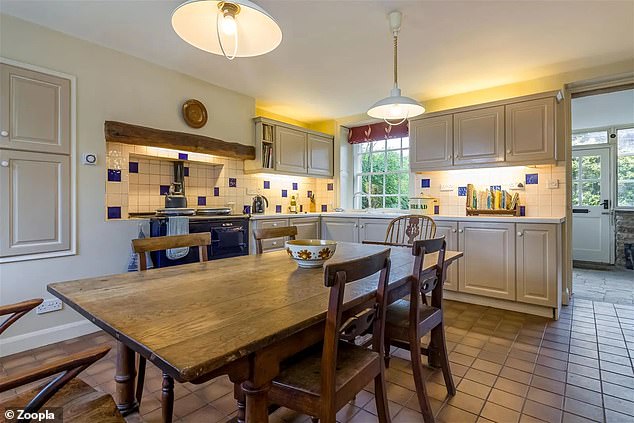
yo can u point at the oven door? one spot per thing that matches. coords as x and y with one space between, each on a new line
228 240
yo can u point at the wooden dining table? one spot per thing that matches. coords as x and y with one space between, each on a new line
239 317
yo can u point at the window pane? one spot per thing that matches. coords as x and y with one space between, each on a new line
404 202
378 162
404 181
363 147
626 140
406 160
590 167
590 193
575 193
364 202
626 168
365 184
391 183
589 138
625 194
378 145
377 184
394 161
376 202
393 143
392 202
365 163
575 168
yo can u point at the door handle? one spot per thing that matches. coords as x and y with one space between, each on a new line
606 204
4 133
586 211
4 163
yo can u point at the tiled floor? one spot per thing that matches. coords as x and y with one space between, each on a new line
508 367
610 286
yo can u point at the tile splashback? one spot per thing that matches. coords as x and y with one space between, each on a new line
539 199
209 180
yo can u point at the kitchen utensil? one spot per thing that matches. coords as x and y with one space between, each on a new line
175 198
176 211
259 202
422 205
213 211
310 253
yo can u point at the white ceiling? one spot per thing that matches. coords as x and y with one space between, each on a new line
335 57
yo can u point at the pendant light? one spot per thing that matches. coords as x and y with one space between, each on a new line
396 106
237 28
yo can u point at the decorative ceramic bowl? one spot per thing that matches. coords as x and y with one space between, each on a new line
310 252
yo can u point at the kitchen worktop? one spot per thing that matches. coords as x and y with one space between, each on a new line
392 215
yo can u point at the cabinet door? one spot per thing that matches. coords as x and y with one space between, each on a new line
478 136
530 131
450 231
290 150
537 264
320 155
373 229
431 142
34 203
488 265
34 111
307 227
342 229
272 243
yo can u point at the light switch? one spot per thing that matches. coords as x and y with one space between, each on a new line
89 159
553 183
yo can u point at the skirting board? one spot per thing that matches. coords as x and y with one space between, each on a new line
40 338
503 304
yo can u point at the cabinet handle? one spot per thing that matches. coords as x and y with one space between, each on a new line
4 163
461 230
4 133
274 243
356 226
453 230
362 226
508 151
520 233
275 224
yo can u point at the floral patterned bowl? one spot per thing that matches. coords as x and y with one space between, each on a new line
310 252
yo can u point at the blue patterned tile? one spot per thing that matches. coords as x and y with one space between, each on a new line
164 189
462 191
233 182
114 212
185 171
216 192
133 167
309 194
114 175
532 179
436 209
425 183
246 209
267 184
330 187
202 201
294 186
284 193
324 208
278 209
496 187
182 156
522 210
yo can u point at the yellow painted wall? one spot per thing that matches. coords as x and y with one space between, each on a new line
263 113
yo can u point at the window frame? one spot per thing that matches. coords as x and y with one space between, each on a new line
358 174
615 130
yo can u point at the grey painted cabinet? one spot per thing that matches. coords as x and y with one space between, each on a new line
340 229
530 130
34 111
35 203
478 136
291 150
373 229
450 231
488 265
307 227
537 264
431 142
320 155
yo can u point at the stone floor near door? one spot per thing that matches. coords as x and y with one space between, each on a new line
508 367
610 286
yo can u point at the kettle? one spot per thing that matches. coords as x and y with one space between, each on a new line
175 198
258 204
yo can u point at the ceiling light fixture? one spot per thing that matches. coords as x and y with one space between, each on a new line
237 28
396 106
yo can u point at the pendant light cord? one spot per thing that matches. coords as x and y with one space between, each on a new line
395 60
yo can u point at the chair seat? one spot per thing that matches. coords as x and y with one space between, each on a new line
398 315
80 402
303 373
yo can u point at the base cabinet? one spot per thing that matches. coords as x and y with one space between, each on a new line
536 262
450 231
341 229
307 227
488 265
373 229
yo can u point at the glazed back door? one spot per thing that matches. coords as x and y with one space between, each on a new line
591 205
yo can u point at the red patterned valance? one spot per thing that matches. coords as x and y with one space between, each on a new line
376 132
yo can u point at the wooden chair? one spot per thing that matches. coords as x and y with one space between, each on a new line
404 230
321 380
408 321
146 245
79 401
269 233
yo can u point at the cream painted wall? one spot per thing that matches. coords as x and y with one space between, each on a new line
110 86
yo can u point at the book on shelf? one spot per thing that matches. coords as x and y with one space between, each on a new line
267 133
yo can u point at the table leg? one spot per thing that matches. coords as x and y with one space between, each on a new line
124 378
257 403
238 394
167 398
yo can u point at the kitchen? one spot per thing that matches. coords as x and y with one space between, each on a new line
106 201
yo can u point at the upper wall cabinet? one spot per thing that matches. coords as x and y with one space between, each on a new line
431 142
35 111
287 149
526 130
479 136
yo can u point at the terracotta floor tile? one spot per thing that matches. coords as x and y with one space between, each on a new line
541 411
545 397
506 399
499 414
451 414
584 409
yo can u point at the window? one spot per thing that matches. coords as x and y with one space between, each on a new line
381 170
586 180
590 138
625 167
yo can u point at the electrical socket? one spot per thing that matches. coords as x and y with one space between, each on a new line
553 184
447 187
47 306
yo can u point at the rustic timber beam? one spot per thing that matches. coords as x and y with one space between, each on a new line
140 135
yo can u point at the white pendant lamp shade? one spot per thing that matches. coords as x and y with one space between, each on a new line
238 28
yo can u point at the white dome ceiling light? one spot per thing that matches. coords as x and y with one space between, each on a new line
396 106
239 28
